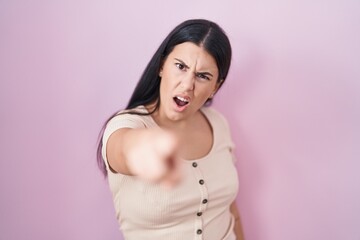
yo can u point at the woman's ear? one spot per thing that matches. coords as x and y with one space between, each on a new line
217 86
160 73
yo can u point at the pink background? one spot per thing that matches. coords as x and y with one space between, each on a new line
292 99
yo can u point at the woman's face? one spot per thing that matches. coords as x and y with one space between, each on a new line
188 78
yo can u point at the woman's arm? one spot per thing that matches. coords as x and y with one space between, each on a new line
237 227
146 153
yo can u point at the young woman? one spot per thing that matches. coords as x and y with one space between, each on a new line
168 156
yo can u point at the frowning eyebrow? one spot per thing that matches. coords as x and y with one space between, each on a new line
205 73
186 66
182 62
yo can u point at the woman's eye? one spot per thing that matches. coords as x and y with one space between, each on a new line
203 76
180 66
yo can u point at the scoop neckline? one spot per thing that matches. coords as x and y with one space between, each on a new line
190 161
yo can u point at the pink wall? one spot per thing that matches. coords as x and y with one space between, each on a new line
292 99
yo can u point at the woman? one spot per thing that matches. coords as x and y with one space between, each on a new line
168 157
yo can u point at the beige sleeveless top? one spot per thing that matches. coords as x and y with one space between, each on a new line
198 208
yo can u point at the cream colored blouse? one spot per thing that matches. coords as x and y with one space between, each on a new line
198 208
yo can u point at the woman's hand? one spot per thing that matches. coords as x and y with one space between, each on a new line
149 154
154 156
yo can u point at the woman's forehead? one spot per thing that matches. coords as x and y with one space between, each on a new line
192 54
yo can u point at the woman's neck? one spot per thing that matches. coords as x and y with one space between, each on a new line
164 122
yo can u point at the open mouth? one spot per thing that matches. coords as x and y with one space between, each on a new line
180 101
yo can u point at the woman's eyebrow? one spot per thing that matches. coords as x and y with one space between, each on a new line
182 62
186 66
205 73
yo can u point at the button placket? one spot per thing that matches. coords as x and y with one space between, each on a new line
203 201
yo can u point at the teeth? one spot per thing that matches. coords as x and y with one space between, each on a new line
182 99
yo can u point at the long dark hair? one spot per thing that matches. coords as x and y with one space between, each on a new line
201 32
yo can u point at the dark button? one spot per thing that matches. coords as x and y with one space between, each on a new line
204 201
201 181
199 231
199 214
194 164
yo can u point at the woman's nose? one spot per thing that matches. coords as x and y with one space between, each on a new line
188 82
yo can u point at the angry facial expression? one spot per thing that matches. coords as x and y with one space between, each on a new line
189 77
